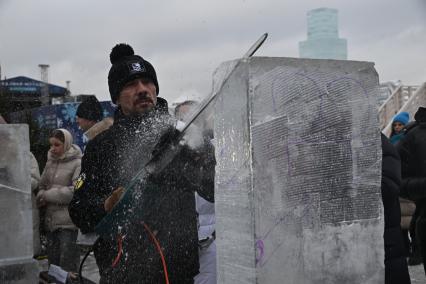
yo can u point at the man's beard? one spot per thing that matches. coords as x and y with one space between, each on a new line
143 98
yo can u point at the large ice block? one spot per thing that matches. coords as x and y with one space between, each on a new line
298 172
16 235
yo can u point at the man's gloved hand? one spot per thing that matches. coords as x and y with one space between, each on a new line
193 137
113 199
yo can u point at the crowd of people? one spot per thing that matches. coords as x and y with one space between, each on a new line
168 232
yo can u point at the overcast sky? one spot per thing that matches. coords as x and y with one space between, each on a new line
186 40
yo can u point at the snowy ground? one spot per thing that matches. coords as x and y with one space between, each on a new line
90 271
417 274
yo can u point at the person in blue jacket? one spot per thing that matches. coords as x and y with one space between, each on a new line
398 124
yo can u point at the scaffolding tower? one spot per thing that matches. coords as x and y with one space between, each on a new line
44 72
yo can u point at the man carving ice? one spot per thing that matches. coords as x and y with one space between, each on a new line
160 243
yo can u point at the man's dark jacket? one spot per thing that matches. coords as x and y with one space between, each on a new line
412 149
396 269
167 206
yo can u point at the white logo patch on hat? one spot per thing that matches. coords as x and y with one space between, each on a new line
137 67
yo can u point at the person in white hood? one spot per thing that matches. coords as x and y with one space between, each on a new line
55 193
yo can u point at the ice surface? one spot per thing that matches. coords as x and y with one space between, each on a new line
298 172
16 236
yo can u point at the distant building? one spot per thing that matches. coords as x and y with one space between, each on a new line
323 36
42 120
21 93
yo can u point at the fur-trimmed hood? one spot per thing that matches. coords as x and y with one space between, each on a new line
99 127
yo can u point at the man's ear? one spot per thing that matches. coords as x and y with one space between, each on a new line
117 101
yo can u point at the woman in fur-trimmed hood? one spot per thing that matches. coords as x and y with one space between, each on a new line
56 191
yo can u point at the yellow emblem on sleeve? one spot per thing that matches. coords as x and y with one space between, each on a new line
79 182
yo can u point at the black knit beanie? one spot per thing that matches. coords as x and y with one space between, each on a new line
127 66
90 108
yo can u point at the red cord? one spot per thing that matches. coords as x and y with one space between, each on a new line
120 251
157 244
